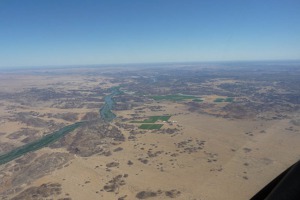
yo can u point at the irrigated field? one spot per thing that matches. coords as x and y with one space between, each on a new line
151 126
153 119
229 99
175 97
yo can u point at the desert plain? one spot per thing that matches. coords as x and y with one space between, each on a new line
187 131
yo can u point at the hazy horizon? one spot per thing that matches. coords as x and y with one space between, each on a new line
229 63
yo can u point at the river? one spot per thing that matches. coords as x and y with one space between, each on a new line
105 113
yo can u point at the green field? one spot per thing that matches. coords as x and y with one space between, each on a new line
175 97
153 119
198 100
229 99
151 126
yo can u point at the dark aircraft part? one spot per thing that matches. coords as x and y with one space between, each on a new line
286 186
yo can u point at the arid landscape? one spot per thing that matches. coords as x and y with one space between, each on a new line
169 131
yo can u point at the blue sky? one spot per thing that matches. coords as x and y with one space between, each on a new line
75 32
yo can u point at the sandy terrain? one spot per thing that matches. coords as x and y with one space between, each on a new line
207 158
231 165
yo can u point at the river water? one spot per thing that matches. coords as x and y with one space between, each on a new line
105 111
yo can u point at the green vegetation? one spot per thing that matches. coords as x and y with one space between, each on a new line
153 119
148 124
175 97
217 100
198 100
151 126
229 99
44 141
